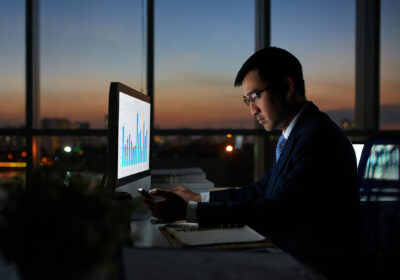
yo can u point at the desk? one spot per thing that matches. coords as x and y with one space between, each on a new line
152 258
147 235
211 265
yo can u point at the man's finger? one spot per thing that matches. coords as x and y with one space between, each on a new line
152 191
178 189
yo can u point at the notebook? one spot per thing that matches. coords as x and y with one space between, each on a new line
190 235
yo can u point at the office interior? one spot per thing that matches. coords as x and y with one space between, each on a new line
61 56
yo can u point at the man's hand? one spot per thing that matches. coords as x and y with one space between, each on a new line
171 208
186 194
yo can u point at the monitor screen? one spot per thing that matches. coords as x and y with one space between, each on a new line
133 135
129 132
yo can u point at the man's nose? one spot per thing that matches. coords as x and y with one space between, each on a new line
254 109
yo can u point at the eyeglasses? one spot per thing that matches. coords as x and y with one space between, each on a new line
254 96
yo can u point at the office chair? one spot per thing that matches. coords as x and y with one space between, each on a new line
379 183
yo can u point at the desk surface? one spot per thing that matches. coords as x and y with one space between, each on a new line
211 265
147 235
153 257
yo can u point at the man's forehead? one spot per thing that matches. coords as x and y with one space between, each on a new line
252 82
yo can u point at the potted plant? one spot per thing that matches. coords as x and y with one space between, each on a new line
53 228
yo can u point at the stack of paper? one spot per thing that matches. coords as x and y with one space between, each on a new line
192 178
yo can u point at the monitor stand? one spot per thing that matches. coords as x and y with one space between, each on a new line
141 211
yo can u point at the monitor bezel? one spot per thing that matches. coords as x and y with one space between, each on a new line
112 145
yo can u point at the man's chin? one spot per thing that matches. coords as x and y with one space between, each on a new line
267 127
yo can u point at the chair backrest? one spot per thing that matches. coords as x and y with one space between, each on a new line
379 183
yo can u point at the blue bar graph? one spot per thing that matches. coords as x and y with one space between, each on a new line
135 153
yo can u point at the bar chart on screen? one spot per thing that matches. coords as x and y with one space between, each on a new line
133 136
134 152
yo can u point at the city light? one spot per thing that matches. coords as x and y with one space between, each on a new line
229 148
12 164
67 149
158 139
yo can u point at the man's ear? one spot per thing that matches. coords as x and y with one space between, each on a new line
289 88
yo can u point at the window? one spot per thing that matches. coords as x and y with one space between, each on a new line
227 160
321 34
12 66
76 153
390 65
199 47
12 156
85 45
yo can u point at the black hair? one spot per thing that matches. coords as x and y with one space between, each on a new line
273 64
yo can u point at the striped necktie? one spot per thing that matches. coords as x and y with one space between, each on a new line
280 146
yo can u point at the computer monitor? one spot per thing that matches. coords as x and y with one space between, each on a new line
129 134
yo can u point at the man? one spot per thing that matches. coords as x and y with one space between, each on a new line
308 202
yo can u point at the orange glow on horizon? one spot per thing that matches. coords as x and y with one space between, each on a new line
189 104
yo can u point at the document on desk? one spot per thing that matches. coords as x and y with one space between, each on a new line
192 178
190 235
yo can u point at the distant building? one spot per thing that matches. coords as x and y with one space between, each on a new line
53 143
11 145
80 125
55 123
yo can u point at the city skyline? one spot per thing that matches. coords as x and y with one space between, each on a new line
199 47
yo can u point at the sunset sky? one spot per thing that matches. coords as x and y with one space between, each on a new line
199 47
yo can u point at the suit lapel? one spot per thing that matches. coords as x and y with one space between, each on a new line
287 150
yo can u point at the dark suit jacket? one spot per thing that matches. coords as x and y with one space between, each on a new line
308 202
